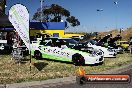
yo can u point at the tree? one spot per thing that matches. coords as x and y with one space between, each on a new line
73 21
55 13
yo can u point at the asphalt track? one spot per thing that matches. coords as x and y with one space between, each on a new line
101 85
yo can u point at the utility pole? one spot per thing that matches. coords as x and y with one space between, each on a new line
99 15
116 19
41 9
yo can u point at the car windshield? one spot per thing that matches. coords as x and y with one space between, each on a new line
77 38
92 42
43 42
72 41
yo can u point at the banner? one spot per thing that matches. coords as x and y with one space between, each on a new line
19 17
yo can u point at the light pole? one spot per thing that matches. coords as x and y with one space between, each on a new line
41 8
99 10
116 13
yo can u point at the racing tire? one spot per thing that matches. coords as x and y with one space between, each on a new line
37 55
78 60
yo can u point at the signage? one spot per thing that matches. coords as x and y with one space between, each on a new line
19 17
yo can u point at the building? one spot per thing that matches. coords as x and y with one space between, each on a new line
56 29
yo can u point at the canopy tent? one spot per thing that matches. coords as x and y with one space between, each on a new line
4 21
48 25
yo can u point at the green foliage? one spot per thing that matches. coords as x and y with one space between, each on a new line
73 21
55 13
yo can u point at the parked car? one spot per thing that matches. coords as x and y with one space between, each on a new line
123 44
107 51
112 47
71 43
57 49
4 47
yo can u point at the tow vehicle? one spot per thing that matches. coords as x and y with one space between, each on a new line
123 44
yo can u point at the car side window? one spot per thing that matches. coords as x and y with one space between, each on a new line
51 43
48 43
56 43
62 42
42 43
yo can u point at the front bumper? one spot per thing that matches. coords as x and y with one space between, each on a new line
95 60
110 55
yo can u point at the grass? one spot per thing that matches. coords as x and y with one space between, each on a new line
10 72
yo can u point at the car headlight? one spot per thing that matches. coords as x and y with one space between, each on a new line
101 51
93 54
97 52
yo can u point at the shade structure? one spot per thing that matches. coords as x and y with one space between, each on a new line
48 25
4 21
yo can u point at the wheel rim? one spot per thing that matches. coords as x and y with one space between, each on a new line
81 61
78 61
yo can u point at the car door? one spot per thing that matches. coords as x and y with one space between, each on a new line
48 47
54 49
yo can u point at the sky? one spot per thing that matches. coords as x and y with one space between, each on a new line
113 15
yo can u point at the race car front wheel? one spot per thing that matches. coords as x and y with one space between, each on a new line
37 55
78 60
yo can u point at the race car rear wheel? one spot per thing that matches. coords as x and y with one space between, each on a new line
37 55
78 60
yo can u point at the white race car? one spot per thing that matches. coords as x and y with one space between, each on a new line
53 48
107 52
